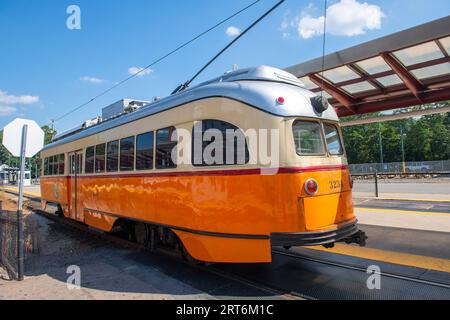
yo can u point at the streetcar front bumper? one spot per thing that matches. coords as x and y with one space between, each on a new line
348 233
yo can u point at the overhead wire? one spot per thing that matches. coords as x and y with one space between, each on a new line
187 83
78 107
324 41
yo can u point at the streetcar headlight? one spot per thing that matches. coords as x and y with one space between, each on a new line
311 187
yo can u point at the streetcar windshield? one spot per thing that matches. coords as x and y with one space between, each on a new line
308 138
333 140
311 139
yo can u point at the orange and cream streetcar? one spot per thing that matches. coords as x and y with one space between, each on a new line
119 174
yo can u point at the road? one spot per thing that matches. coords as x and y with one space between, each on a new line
414 190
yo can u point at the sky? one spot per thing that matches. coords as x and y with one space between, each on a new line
47 68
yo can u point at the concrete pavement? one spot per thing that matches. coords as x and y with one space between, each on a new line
415 189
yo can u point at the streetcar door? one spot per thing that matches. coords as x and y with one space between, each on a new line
76 165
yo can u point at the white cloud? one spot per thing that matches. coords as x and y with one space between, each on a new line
93 80
309 27
233 31
285 24
5 98
345 18
6 111
142 72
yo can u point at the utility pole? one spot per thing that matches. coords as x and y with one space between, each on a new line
35 170
20 229
403 150
23 138
381 146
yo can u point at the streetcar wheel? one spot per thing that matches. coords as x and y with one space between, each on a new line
142 233
59 211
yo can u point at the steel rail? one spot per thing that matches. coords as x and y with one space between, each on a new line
350 267
291 295
132 245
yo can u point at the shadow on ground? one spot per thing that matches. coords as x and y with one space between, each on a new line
107 267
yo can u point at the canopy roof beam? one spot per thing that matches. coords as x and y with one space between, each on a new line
410 67
408 79
346 100
400 102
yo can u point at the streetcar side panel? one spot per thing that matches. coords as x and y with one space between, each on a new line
220 213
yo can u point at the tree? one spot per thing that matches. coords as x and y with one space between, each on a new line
33 163
36 161
426 138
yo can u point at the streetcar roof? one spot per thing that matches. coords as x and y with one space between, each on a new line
257 87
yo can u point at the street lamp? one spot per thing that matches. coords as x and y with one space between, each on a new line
381 145
403 150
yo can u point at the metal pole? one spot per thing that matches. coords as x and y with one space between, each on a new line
20 236
403 150
376 184
381 146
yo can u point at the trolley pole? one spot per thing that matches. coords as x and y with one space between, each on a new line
20 231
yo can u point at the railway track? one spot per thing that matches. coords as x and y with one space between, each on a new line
271 288
124 243
363 270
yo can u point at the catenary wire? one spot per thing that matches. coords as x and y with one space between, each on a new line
154 62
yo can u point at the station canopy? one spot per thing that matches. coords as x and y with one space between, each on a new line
411 67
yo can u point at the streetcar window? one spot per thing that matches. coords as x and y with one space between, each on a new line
112 156
164 146
144 151
79 159
72 164
51 166
221 144
55 164
46 166
49 170
127 154
100 158
333 139
90 156
308 138
61 164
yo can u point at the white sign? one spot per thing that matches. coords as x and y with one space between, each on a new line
12 137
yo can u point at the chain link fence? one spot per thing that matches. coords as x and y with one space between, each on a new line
8 241
8 244
397 167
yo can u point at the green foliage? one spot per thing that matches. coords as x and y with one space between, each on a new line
426 138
